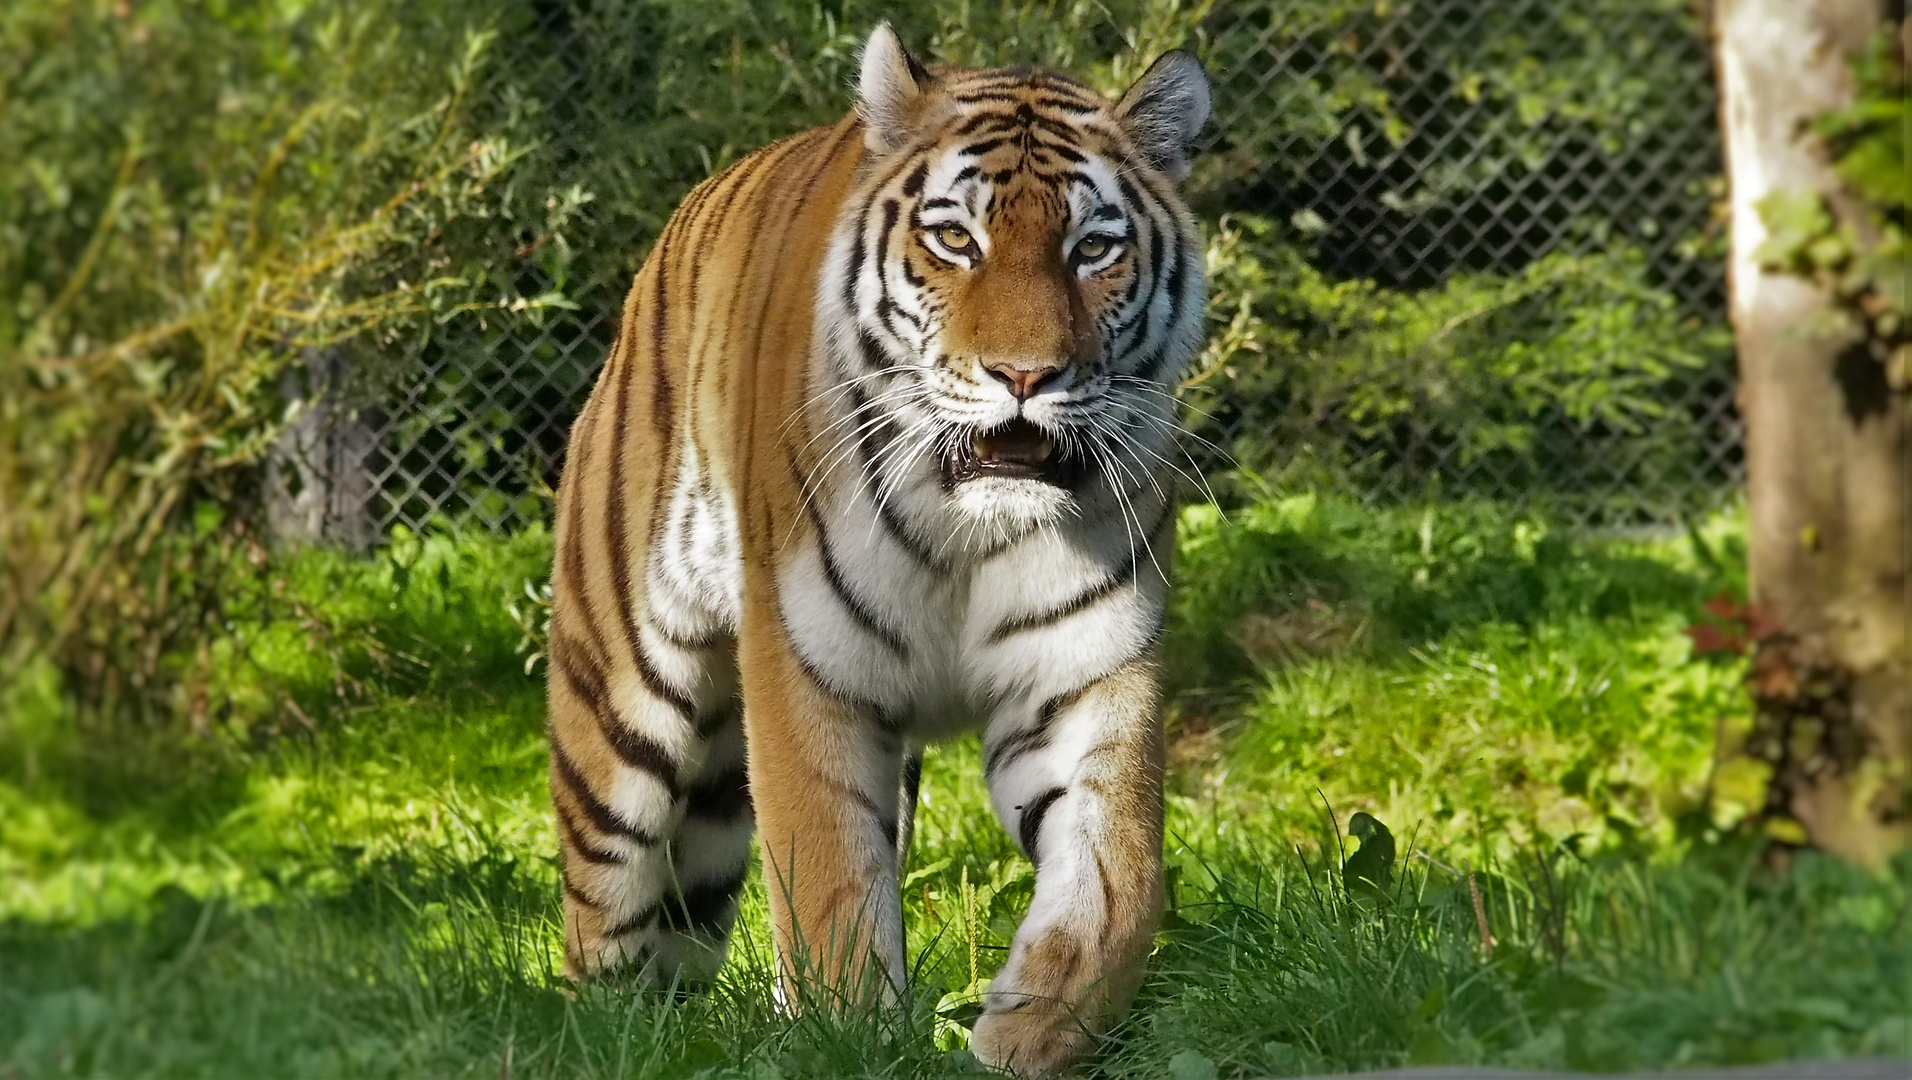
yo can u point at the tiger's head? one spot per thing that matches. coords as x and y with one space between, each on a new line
1016 284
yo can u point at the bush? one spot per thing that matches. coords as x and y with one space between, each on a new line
1518 381
194 195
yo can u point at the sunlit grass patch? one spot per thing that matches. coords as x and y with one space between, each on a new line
376 895
1467 672
440 960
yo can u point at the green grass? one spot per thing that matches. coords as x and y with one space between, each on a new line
377 897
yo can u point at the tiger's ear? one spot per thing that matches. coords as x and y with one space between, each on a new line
889 90
1165 110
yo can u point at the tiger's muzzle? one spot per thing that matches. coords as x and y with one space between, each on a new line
1017 450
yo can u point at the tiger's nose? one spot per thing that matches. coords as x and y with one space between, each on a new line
1022 376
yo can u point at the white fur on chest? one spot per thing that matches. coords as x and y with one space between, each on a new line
940 648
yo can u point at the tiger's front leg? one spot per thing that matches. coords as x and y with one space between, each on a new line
1077 779
826 776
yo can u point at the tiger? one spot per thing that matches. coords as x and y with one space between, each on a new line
880 455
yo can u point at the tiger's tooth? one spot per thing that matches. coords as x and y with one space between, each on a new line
1044 449
979 446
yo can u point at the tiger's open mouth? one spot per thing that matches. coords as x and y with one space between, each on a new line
1018 450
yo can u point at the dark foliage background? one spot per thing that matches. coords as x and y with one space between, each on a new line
1458 249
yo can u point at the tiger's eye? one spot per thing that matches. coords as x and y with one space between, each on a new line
1091 248
953 237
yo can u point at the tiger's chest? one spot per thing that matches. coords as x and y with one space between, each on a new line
941 638
890 607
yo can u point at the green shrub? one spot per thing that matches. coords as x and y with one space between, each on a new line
190 196
1523 379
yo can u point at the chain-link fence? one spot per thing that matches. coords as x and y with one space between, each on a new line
1532 186
1462 247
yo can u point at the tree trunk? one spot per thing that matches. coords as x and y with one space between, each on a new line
318 489
1826 450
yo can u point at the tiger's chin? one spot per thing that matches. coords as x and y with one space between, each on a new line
1012 478
1009 508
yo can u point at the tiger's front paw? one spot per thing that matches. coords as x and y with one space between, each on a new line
1030 1039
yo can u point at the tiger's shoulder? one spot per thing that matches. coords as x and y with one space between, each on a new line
715 328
